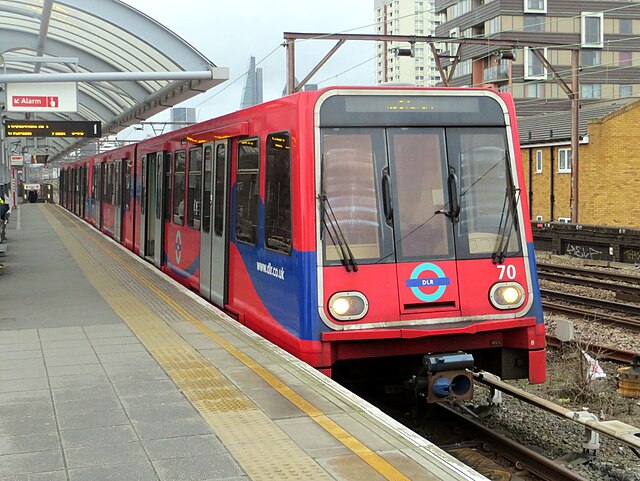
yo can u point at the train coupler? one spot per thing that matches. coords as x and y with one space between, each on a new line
448 377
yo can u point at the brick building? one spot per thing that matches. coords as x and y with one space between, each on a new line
609 184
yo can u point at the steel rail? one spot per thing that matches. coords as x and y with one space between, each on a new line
601 352
586 272
533 462
622 432
618 307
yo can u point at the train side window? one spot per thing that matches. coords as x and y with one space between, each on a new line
247 191
159 206
167 187
278 193
179 165
143 192
193 193
126 194
206 188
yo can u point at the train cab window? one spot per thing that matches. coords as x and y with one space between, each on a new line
168 213
247 189
278 193
206 189
179 187
193 193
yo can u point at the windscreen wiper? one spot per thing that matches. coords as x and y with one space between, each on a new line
338 238
507 219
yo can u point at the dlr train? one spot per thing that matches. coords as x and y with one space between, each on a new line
383 226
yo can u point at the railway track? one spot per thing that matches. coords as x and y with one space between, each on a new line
625 311
601 352
569 302
519 455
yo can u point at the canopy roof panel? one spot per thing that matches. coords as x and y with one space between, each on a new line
80 37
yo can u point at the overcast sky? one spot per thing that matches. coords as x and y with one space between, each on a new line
229 32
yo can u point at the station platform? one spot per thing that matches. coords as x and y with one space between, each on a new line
109 370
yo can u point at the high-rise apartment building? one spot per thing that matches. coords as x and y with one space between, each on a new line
605 32
405 17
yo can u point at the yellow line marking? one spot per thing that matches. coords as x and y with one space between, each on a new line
367 455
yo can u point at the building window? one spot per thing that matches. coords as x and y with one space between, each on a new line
535 6
626 90
247 191
564 161
534 23
492 26
626 26
591 31
277 230
538 161
533 67
590 57
591 91
534 90
624 59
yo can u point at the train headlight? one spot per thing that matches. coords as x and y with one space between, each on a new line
507 295
348 306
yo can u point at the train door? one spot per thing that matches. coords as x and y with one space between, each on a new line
117 198
213 243
151 207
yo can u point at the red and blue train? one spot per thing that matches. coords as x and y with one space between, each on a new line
349 223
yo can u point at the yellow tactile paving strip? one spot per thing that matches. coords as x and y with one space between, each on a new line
232 416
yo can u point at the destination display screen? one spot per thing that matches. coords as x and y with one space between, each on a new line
54 128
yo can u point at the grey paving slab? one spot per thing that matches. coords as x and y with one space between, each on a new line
273 403
24 397
77 360
29 443
98 379
65 344
150 399
119 348
110 341
127 375
22 373
22 364
15 353
61 333
115 357
68 351
38 462
24 385
75 370
93 419
18 336
154 413
136 389
114 329
82 393
50 476
128 472
311 437
184 447
90 405
113 454
198 468
77 438
171 428
34 409
32 425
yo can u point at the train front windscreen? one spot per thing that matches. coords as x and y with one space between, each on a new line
414 179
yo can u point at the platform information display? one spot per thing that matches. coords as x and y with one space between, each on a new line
55 128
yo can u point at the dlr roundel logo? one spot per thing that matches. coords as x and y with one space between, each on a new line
428 288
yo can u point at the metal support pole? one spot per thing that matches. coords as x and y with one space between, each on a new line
291 66
575 134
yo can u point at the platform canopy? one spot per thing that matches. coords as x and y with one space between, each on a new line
127 66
